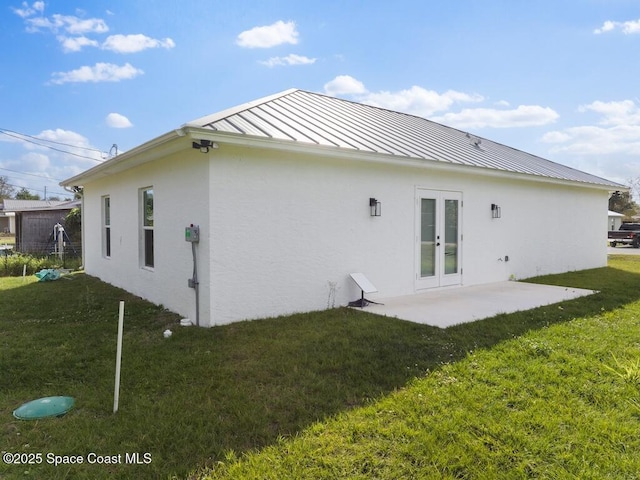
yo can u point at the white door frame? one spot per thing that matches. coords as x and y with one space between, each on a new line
442 247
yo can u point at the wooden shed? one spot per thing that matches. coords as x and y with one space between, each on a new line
35 221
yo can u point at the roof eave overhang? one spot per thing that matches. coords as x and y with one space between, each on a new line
174 141
139 155
337 152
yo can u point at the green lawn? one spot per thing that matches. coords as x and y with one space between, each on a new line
549 393
6 239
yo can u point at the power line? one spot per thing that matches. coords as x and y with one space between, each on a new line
52 180
20 136
13 178
50 141
31 174
20 187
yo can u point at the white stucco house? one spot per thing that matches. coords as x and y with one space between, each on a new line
614 220
7 221
293 192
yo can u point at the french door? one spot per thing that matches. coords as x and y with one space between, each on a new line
438 238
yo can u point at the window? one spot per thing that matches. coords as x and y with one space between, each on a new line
146 213
106 227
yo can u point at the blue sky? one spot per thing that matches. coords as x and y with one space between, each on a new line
559 79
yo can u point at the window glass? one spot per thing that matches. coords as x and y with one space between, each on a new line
451 223
147 227
106 226
428 238
147 199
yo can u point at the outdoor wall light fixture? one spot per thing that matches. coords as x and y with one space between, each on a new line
376 207
204 145
495 211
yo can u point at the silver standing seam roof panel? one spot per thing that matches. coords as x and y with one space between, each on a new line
312 118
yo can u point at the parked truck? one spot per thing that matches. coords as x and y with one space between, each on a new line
627 234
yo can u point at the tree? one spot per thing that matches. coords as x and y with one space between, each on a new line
622 202
73 224
24 194
6 190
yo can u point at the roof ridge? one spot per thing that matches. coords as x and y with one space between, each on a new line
214 117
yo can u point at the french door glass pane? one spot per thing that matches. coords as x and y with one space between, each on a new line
428 237
450 236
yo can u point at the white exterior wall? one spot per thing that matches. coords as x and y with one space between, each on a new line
614 221
181 197
280 232
10 223
287 229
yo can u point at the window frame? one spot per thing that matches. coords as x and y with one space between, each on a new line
106 225
146 225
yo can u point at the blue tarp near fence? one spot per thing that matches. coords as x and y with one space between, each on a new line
47 275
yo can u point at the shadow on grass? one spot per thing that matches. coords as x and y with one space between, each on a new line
189 399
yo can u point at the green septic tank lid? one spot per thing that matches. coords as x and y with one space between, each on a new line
44 407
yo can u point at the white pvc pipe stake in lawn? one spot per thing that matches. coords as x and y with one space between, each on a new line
116 392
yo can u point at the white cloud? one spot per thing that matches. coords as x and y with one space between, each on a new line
134 43
291 59
81 154
115 120
522 116
269 36
68 137
344 85
116 43
35 162
415 100
27 11
75 44
593 140
556 137
69 23
624 112
607 26
73 154
419 101
631 27
61 135
75 28
618 133
100 72
628 27
68 144
426 103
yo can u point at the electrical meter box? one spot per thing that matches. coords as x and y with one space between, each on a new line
192 233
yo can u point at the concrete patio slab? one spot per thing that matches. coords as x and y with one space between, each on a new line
451 306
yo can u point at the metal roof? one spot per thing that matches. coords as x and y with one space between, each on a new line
311 118
25 205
